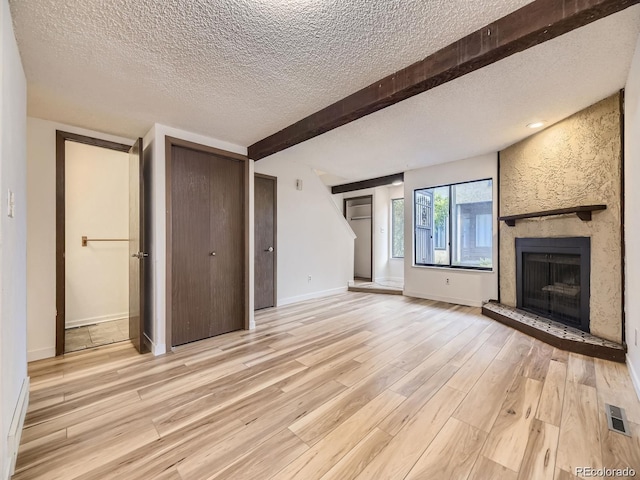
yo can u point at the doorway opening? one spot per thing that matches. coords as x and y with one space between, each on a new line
94 202
359 213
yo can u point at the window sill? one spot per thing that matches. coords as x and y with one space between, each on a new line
456 269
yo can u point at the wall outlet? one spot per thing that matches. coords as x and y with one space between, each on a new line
446 281
309 278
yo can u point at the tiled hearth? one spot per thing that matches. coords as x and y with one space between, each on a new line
555 333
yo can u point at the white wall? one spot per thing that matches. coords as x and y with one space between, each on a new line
394 266
155 139
313 236
13 237
466 287
96 206
632 219
385 267
41 232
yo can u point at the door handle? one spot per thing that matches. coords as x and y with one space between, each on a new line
270 249
212 254
139 255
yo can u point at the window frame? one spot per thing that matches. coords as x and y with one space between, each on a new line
450 228
393 226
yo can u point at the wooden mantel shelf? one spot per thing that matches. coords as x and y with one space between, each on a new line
583 212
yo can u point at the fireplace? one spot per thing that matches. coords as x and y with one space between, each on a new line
552 278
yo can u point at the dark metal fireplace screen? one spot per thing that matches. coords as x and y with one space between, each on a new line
552 278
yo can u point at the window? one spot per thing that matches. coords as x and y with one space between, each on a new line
483 230
454 225
397 228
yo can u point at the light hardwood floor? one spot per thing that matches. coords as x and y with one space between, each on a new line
356 385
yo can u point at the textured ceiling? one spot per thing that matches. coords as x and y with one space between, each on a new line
239 70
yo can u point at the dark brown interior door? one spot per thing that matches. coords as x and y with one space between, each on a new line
207 261
137 254
227 242
265 241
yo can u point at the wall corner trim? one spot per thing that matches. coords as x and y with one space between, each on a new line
635 376
156 349
15 429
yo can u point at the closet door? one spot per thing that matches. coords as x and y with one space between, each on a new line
227 243
207 246
191 230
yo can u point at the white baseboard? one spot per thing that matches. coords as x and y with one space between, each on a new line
390 279
310 296
41 353
15 429
438 298
635 376
156 349
81 322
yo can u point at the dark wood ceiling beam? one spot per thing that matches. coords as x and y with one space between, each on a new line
370 183
531 25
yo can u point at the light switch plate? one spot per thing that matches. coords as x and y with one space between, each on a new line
11 204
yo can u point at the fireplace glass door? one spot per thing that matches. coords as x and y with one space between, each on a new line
552 278
551 286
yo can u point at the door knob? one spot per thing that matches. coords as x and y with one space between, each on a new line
140 255
212 254
270 249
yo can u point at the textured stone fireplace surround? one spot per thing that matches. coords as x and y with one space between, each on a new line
574 162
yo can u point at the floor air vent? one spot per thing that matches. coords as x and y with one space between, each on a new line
617 419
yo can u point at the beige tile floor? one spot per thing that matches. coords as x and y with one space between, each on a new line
80 338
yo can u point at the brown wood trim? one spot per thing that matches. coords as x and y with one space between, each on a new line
246 229
622 216
179 142
371 183
147 344
169 242
170 142
598 351
344 210
275 234
61 138
583 212
531 25
498 223
96 142
60 242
